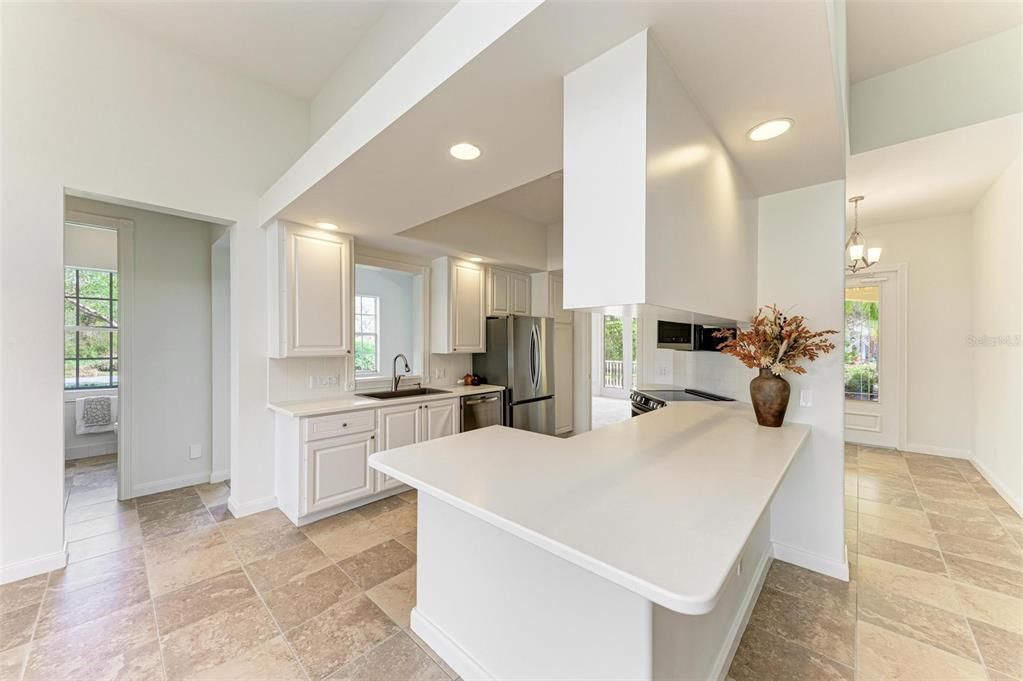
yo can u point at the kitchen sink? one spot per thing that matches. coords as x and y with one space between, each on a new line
407 392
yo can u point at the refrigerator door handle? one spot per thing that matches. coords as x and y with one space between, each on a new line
535 342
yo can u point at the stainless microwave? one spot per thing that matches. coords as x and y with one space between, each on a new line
675 335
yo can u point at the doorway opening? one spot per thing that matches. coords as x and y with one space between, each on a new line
873 359
615 352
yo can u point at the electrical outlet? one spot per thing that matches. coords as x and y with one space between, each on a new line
194 451
805 398
319 382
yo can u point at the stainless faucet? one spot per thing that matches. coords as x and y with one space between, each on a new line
395 378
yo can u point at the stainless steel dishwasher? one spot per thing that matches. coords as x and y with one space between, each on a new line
480 411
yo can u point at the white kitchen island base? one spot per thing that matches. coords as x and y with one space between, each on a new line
495 606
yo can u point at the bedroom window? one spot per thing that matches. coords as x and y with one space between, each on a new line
90 328
367 335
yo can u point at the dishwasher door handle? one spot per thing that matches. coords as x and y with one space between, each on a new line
470 403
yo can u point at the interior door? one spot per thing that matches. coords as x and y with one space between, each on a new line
872 360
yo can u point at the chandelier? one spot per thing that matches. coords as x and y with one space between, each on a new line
860 257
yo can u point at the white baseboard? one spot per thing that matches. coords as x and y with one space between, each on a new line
240 510
811 561
950 452
220 476
145 488
735 632
320 515
999 487
87 451
459 660
33 566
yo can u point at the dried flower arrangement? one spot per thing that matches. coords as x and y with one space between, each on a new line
776 342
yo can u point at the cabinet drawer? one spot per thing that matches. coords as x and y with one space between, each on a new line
332 425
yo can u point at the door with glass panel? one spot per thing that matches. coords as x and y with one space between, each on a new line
872 361
619 353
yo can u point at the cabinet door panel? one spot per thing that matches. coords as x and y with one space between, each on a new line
556 292
337 471
500 292
439 419
319 287
467 308
399 426
520 294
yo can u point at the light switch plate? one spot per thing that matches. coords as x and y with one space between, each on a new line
805 398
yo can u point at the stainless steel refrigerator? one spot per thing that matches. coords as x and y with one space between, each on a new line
520 356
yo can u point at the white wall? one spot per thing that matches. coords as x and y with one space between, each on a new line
996 327
90 247
160 128
487 231
807 515
171 332
401 25
977 82
701 219
220 282
939 374
396 324
655 209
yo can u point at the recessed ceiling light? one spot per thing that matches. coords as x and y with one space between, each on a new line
770 129
476 259
327 225
464 151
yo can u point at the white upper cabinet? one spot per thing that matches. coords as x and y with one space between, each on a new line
311 290
547 295
457 309
507 292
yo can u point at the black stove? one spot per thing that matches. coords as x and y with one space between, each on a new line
644 401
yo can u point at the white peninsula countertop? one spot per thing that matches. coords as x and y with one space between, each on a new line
353 402
661 505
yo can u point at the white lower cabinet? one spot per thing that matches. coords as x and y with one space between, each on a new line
322 461
337 471
407 424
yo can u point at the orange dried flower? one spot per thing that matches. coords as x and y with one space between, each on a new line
776 342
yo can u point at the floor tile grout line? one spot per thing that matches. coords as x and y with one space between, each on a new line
273 618
156 618
955 595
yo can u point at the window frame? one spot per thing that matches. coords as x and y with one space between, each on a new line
113 330
374 334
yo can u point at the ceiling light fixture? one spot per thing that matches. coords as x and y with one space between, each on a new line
464 151
770 129
476 258
860 257
327 225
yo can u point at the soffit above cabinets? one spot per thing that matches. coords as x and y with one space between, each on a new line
507 100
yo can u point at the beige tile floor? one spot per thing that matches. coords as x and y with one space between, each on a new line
936 591
171 586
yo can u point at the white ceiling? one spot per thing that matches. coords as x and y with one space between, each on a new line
884 35
508 101
540 201
942 174
292 46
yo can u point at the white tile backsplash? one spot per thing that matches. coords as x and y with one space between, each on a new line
289 379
